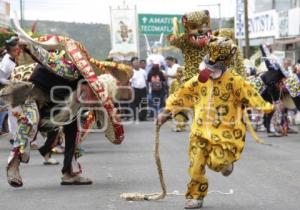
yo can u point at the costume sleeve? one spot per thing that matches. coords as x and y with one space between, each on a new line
238 63
185 97
249 97
172 87
178 41
274 66
263 50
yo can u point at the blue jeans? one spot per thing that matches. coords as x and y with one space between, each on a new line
157 98
2 116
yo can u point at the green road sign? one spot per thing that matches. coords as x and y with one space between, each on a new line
153 24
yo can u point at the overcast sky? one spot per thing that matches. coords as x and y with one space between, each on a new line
97 11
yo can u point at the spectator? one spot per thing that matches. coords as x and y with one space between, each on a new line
156 81
171 70
138 84
296 68
8 64
288 104
176 61
287 64
143 64
155 59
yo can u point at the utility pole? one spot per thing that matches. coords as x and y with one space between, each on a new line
22 12
220 20
247 52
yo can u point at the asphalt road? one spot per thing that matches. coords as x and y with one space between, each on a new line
266 177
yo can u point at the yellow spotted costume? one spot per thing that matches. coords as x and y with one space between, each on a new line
193 54
180 118
218 132
175 85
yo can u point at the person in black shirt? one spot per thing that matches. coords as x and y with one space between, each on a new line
156 82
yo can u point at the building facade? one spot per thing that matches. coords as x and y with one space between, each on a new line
275 22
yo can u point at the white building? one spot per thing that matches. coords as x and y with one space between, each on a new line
275 22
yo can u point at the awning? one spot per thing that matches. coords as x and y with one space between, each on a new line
257 41
290 40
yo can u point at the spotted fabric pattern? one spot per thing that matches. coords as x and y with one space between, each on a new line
221 50
193 56
23 73
201 154
238 60
257 83
218 107
292 83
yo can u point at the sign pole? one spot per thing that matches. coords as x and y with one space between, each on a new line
22 12
138 32
220 20
247 53
111 29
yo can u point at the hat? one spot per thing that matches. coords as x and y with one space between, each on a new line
12 41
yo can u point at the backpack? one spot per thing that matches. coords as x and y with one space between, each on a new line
156 84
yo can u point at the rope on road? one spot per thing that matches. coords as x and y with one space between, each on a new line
157 196
154 196
253 133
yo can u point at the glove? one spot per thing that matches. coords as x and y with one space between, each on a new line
163 117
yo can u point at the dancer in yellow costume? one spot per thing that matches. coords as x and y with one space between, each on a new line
193 42
218 96
180 118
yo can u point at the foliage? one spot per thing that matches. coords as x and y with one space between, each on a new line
5 34
96 37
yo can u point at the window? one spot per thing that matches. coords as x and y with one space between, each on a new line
283 5
263 5
295 3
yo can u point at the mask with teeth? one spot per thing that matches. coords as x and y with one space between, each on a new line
197 26
221 51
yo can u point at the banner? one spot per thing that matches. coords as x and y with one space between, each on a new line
294 21
4 13
239 26
262 24
283 21
124 34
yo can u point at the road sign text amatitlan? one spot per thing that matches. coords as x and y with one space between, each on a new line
155 24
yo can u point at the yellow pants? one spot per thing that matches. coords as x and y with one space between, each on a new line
202 153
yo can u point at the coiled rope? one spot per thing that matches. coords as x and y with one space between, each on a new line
157 196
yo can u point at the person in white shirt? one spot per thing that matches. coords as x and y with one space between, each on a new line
7 65
143 64
139 89
171 69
